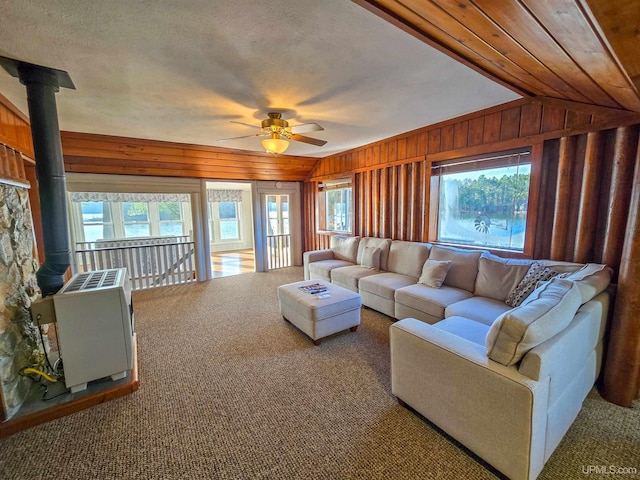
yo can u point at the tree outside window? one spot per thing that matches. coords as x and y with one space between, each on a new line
136 219
484 206
338 210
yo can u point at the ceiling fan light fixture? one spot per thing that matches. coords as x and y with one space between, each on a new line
275 144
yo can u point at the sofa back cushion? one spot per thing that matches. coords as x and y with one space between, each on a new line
382 243
464 265
591 280
407 258
370 258
545 313
344 248
497 276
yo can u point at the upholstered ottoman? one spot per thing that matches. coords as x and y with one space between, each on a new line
320 317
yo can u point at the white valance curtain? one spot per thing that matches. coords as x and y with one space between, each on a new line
224 195
128 197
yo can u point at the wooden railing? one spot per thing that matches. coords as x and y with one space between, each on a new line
150 262
278 251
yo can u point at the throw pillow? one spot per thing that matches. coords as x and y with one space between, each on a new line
371 258
434 272
537 273
548 311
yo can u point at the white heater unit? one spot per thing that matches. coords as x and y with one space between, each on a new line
95 325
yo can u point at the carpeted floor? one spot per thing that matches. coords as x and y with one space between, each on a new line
231 391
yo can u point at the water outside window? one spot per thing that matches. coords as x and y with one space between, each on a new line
136 219
486 207
96 221
170 214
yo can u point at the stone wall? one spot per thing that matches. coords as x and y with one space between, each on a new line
20 344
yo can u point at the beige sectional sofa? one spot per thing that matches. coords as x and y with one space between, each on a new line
506 380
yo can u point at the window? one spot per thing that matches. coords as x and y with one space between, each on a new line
335 198
229 221
278 215
136 219
170 215
484 201
97 223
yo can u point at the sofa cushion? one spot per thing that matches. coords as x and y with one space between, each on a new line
370 258
345 248
464 265
385 284
407 258
481 309
431 301
546 312
434 272
382 243
464 328
349 277
322 269
497 276
591 280
537 272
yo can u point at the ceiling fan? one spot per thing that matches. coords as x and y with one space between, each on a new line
279 133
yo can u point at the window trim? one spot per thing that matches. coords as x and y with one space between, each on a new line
532 208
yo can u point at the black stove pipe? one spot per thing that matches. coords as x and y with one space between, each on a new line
42 84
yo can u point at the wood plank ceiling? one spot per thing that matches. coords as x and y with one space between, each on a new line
578 50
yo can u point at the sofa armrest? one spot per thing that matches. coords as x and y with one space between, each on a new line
315 256
494 410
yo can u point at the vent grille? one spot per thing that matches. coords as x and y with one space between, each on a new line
91 280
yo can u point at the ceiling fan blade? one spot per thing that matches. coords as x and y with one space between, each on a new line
306 127
312 141
243 136
246 124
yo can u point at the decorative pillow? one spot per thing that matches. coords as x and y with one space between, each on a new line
537 273
544 314
434 272
498 276
371 258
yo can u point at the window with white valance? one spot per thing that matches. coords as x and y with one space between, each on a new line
224 195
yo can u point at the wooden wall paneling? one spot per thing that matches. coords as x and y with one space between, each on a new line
553 118
401 201
476 132
375 203
491 130
510 123
530 119
360 218
608 155
446 138
577 119
460 134
383 211
368 220
626 144
574 196
421 143
534 199
584 248
563 193
393 202
546 198
5 165
621 380
433 145
425 174
402 148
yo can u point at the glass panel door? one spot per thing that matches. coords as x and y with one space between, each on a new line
278 235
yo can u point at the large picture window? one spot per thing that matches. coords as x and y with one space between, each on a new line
484 201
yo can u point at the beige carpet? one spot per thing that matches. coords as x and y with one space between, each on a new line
231 391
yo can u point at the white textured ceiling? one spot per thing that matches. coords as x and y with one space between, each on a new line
181 70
